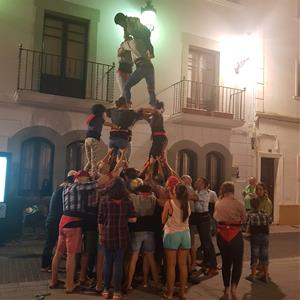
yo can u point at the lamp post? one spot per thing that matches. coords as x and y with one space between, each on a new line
148 15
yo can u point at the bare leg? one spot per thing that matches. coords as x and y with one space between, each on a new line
153 267
233 291
171 263
99 270
146 270
182 264
55 265
132 265
83 267
253 270
70 271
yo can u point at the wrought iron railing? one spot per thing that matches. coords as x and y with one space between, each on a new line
65 76
192 95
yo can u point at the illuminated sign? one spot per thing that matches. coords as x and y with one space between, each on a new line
3 173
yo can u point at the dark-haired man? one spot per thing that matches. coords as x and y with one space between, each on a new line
52 221
133 27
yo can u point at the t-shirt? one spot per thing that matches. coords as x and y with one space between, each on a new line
265 204
123 118
229 211
249 192
201 205
157 122
95 128
144 206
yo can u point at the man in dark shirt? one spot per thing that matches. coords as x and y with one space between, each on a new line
124 118
52 221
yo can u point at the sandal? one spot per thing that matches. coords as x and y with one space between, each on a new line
73 290
105 294
165 296
58 285
117 296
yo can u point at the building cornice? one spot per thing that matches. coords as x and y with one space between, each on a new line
227 3
277 117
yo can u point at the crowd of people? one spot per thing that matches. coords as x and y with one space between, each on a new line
114 224
127 224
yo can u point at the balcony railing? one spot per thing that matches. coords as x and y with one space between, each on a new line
65 76
191 95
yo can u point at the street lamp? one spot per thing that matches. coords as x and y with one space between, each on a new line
148 15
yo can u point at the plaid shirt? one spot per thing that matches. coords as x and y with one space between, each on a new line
113 216
77 197
258 222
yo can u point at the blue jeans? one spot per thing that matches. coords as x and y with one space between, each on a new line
113 258
259 248
117 143
142 71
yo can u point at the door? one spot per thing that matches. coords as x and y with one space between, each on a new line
203 75
63 66
215 163
267 176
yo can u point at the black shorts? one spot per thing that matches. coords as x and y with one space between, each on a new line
90 241
159 144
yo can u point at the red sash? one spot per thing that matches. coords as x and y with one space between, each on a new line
66 220
159 133
90 118
144 194
228 232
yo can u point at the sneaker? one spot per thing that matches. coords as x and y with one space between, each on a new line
250 278
212 272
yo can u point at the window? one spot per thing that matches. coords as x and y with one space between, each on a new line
202 76
215 170
75 156
36 167
64 56
187 163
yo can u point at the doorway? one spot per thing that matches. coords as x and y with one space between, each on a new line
267 176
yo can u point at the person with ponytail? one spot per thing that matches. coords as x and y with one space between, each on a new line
177 239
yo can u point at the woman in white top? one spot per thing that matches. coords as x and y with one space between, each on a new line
177 239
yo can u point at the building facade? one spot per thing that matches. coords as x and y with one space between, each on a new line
226 70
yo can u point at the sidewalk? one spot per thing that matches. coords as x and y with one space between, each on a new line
20 276
284 285
284 228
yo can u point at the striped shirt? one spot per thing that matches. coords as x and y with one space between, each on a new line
77 197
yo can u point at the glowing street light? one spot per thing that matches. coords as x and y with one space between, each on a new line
148 15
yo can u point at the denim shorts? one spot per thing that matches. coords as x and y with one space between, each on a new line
259 248
142 238
177 240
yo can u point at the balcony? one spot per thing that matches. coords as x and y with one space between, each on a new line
49 80
197 103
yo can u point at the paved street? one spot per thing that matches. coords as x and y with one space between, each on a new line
20 277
